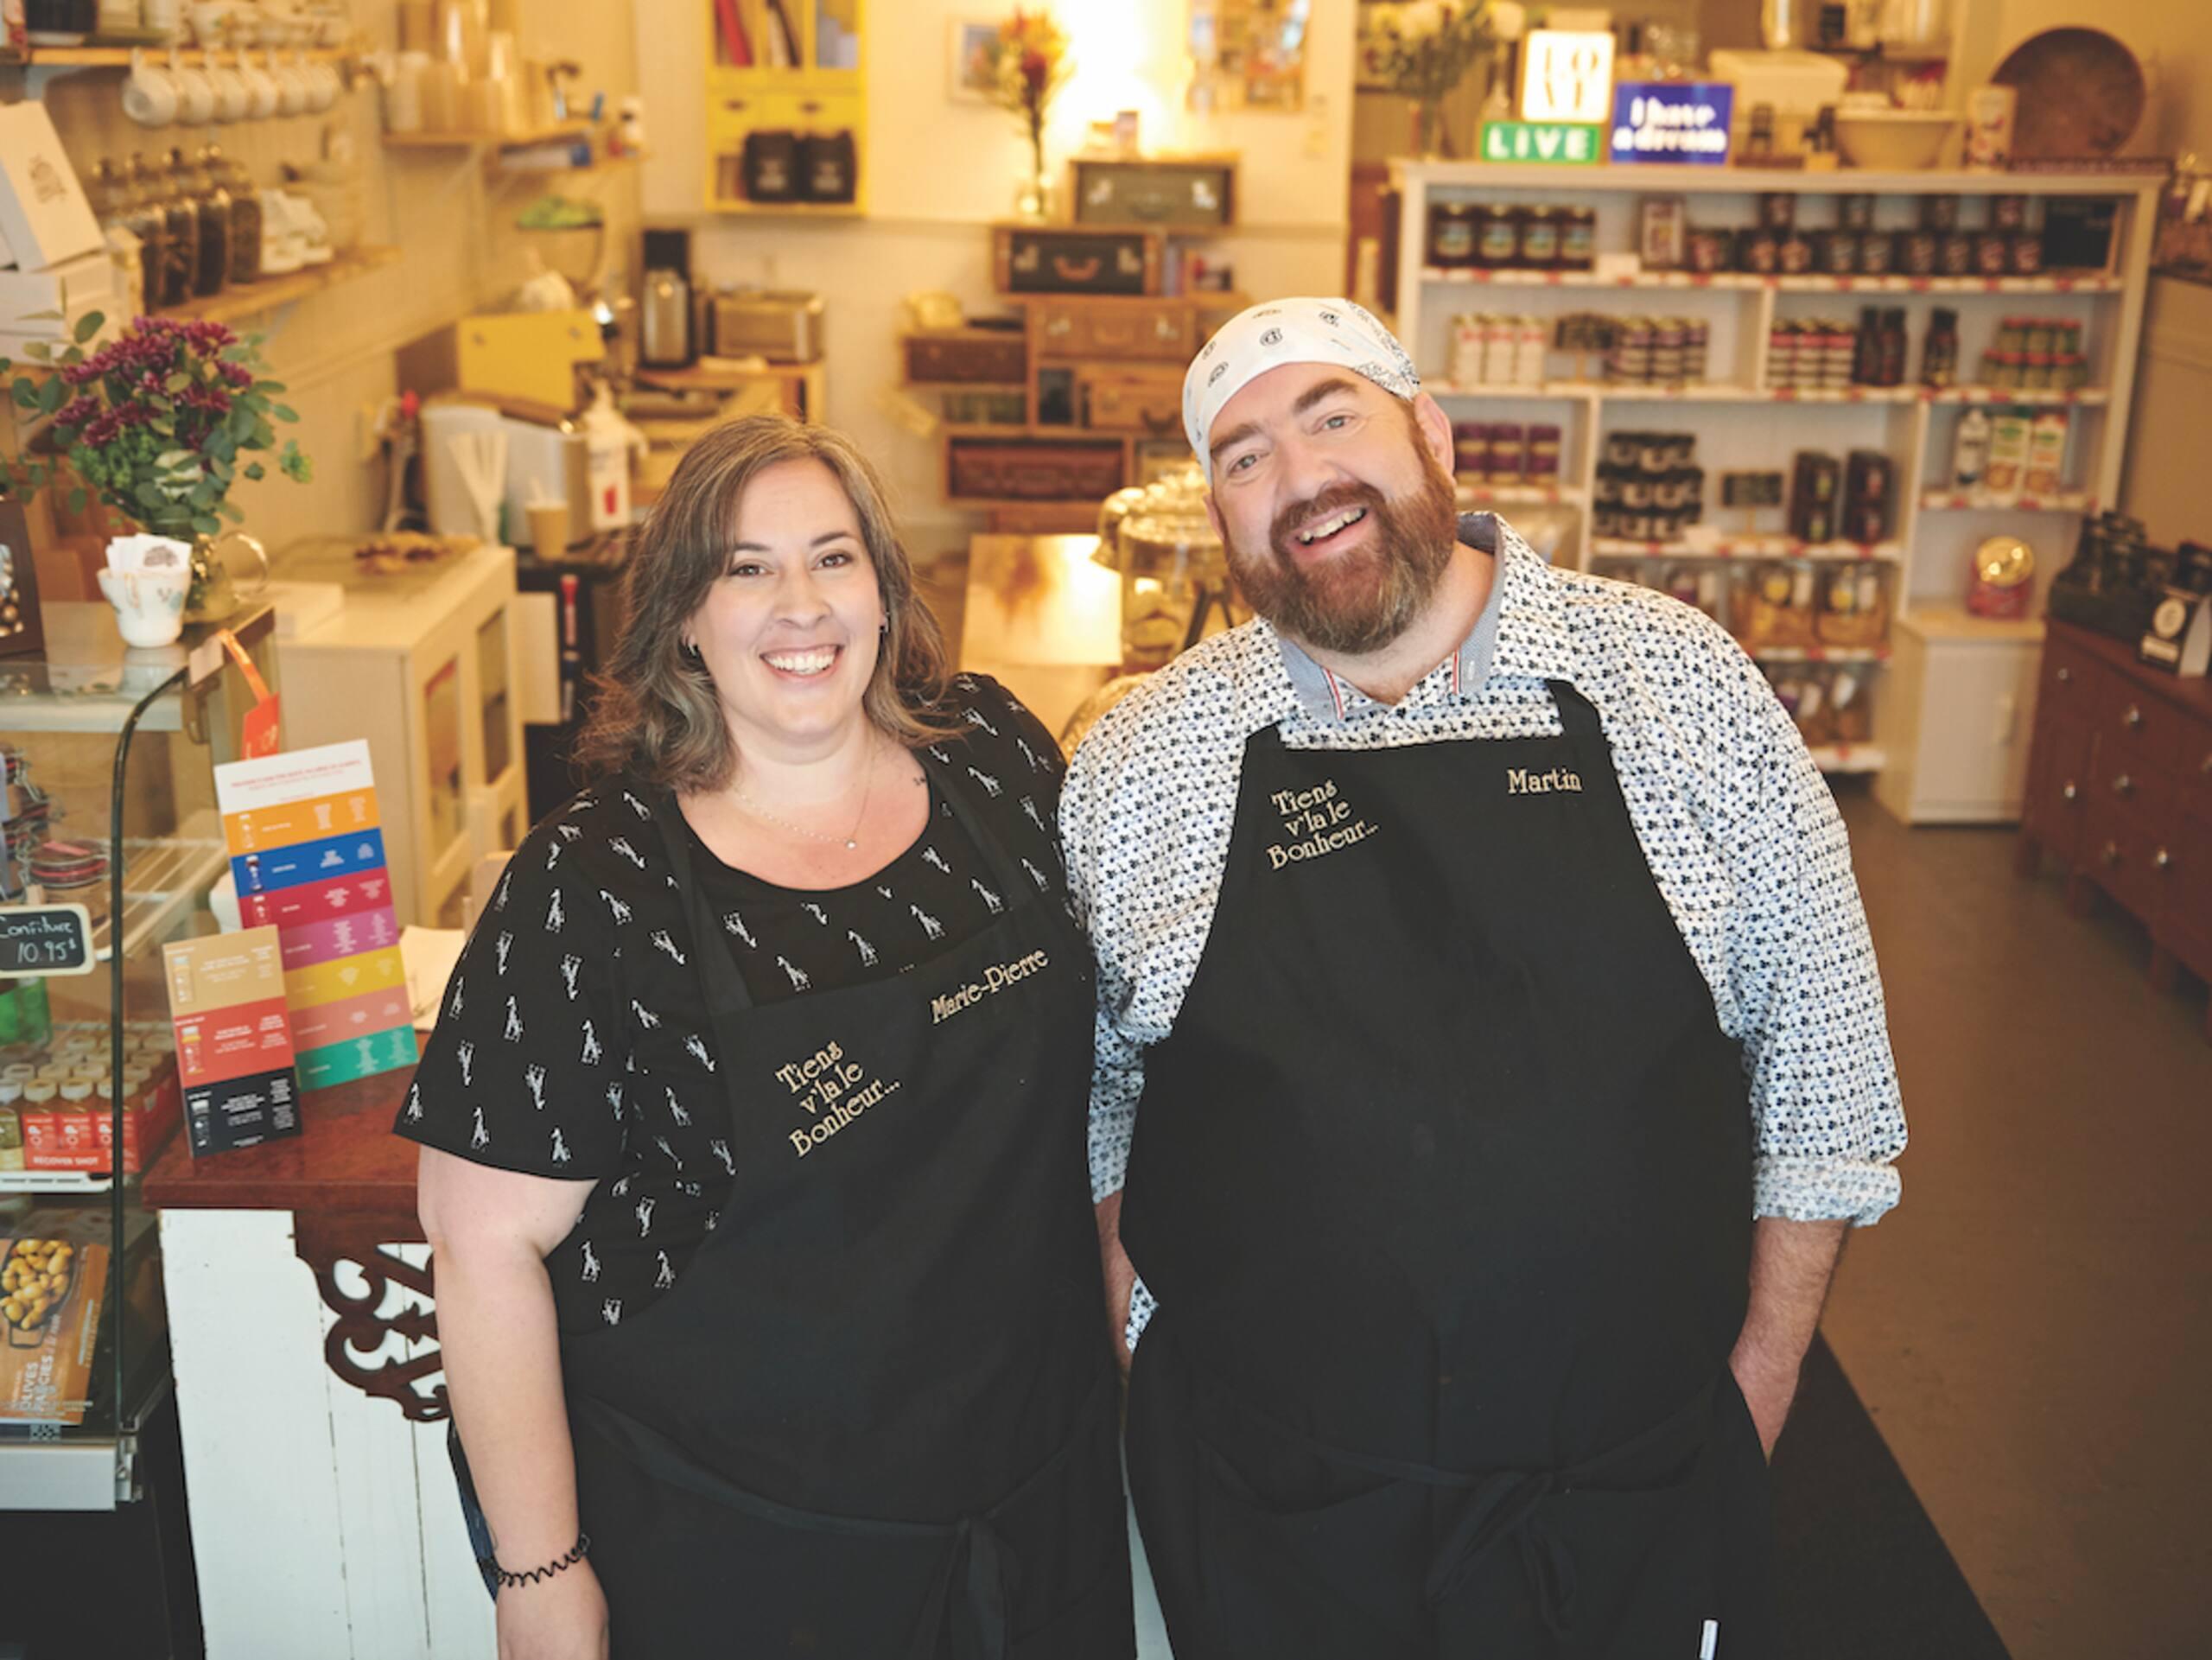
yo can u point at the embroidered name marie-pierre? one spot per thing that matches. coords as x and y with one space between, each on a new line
1519 780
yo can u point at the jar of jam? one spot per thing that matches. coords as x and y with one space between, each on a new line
1854 212
1450 235
1759 251
1708 251
1877 253
1922 252
2036 373
1469 449
1539 239
1939 213
1992 253
1796 254
2027 253
1578 240
1497 238
1778 209
2008 213
1838 252
1954 256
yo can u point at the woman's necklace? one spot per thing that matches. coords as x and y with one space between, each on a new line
849 840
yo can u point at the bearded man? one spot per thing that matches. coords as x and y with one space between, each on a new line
1484 988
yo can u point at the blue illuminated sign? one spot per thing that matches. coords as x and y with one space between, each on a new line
1676 121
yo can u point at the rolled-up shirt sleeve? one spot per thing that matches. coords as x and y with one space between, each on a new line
1828 1118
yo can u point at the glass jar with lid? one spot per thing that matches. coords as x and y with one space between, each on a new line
159 188
246 215
213 203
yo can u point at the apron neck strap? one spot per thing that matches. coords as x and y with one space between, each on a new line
1577 718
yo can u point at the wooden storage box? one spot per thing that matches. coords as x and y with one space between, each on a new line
1069 259
1149 401
1163 330
992 357
1185 193
990 468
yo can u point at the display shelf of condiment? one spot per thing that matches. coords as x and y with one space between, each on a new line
1648 488
58 1100
1502 455
2061 282
2013 244
2004 456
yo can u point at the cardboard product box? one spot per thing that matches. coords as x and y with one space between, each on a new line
86 283
45 219
50 1295
85 1141
87 292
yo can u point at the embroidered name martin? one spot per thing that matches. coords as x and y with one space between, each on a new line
1519 780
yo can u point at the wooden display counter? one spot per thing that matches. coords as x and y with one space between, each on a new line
308 1375
2119 790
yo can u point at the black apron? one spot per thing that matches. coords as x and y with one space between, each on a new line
875 1417
1443 1181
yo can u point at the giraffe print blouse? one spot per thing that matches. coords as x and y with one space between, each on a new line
574 1042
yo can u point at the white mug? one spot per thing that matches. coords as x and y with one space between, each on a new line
195 93
233 97
162 17
322 86
261 87
149 96
149 604
291 87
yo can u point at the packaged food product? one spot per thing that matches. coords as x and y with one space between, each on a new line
2045 468
1939 213
1578 238
1970 451
1540 238
1497 238
2008 453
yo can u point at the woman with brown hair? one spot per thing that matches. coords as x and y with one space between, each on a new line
753 1131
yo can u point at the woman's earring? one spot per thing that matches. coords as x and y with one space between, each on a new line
693 657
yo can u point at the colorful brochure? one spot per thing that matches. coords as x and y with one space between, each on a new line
234 1039
307 854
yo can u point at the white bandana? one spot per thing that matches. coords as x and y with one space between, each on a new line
1265 337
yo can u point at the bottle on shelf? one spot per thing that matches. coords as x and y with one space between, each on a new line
1970 451
1939 350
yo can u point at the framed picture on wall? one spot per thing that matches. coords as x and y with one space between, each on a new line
967 60
20 629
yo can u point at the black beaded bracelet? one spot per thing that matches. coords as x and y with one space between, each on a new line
576 1553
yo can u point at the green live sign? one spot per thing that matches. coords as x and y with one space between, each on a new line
1565 143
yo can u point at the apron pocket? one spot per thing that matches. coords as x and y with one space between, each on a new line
1337 1579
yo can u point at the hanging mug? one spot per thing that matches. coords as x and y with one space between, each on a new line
195 93
261 87
233 98
149 96
291 87
322 85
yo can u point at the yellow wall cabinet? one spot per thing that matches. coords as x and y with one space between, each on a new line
786 107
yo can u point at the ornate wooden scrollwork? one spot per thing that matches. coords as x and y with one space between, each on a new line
325 1242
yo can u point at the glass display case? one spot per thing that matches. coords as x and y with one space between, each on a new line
111 805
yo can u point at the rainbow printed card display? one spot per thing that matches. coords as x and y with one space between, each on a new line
307 854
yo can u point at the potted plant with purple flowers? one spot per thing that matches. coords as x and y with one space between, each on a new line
158 424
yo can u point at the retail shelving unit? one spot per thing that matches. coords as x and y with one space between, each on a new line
806 74
122 743
1950 737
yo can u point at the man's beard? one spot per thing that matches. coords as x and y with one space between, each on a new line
1353 603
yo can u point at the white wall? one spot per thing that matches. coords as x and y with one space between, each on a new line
938 172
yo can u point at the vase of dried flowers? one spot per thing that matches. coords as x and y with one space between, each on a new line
1029 65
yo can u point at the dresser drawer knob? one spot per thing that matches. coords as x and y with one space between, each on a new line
2130 717
2111 854
2205 768
2123 785
2065 676
2162 859
2071 790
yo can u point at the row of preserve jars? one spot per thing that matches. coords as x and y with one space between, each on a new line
196 215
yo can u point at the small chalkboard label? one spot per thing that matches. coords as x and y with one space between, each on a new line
45 939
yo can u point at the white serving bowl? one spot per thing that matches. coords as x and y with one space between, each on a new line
1894 140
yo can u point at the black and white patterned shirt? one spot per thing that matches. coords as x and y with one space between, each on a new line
1735 820
574 1041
